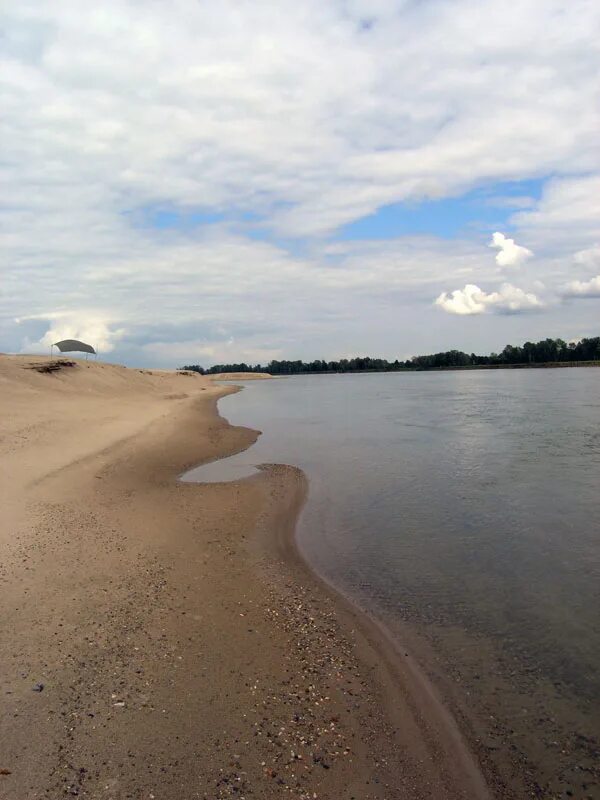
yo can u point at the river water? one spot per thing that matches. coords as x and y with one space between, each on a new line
461 509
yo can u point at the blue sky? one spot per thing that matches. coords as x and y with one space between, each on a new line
474 213
169 217
281 179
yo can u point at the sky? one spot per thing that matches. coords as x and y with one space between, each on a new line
195 182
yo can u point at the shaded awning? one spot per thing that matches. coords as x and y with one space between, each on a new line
74 346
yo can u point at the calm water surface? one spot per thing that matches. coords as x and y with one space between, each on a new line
462 509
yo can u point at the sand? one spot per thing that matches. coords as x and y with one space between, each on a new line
165 640
240 376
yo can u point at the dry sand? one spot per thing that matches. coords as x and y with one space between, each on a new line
163 640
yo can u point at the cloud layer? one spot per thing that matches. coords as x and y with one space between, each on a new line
261 129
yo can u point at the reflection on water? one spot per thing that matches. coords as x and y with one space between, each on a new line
463 507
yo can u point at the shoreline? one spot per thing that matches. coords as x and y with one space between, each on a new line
421 720
181 646
403 684
511 664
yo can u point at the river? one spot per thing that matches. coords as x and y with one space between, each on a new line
462 509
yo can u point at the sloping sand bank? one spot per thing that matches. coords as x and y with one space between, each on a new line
163 640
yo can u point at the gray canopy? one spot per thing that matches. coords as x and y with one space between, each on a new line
73 345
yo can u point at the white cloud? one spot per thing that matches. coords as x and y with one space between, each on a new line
588 258
510 254
568 214
211 352
260 112
247 109
470 300
511 201
473 300
589 288
69 325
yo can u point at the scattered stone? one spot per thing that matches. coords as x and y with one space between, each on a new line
38 687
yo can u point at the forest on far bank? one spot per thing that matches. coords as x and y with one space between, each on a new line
546 351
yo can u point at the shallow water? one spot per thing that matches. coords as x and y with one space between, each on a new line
462 509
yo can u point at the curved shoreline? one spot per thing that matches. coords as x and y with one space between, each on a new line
464 585
422 722
180 651
404 679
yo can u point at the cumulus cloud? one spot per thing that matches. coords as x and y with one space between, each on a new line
589 288
510 254
69 325
473 300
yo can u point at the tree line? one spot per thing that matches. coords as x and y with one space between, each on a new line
546 351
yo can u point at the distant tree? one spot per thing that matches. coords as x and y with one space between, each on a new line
546 351
194 368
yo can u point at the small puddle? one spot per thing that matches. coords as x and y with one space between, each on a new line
232 468
228 469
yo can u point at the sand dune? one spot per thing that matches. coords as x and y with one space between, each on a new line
50 420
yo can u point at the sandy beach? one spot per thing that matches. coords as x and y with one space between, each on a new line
165 640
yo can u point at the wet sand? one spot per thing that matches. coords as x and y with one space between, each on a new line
165 640
240 376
